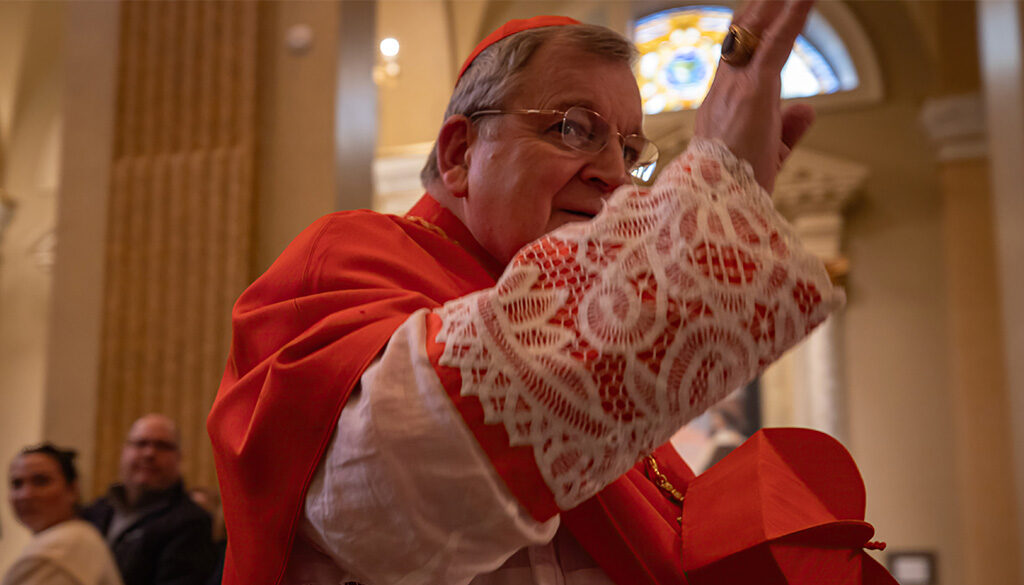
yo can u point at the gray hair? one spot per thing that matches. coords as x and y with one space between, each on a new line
497 71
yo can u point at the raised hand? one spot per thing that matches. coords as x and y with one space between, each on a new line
743 106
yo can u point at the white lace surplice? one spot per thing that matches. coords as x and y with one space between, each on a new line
599 341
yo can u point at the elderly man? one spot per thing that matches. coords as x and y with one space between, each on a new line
158 535
461 395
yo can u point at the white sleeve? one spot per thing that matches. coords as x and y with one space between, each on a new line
603 338
404 494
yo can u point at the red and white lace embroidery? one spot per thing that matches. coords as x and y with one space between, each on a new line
602 338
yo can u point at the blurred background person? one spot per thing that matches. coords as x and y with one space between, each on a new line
158 535
65 550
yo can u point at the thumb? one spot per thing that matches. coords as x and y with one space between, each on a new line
796 119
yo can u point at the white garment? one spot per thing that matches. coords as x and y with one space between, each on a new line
599 341
381 503
69 553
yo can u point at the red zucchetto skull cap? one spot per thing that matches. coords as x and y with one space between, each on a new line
510 28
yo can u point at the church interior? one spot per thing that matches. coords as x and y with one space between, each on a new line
156 157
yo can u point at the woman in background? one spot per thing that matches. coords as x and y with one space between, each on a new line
65 550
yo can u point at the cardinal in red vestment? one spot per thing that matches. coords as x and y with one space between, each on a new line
482 390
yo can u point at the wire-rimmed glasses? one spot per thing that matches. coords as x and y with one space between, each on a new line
585 130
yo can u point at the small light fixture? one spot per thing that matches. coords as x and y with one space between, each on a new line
299 39
386 71
389 47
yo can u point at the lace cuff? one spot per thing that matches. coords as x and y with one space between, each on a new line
602 338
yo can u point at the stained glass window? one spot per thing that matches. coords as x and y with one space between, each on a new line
679 53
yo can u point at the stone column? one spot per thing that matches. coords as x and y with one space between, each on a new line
179 219
806 387
983 454
1001 47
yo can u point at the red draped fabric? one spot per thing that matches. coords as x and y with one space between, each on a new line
304 332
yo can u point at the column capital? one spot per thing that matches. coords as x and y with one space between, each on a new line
812 191
813 183
956 126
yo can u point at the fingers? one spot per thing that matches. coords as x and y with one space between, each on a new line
777 40
777 23
751 20
742 106
756 16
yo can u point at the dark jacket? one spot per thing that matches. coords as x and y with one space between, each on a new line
170 544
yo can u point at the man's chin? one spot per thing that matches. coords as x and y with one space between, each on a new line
35 522
27 518
148 484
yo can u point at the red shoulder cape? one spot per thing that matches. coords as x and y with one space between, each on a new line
302 335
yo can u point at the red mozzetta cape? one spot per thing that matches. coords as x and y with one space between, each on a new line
306 330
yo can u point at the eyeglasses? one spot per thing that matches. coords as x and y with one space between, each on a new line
156 444
585 130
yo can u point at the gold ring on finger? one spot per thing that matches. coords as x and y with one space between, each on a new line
738 46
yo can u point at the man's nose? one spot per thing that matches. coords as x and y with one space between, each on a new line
607 168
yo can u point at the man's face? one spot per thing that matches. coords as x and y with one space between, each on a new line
39 493
150 458
523 181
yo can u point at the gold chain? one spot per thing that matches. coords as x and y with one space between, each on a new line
661 481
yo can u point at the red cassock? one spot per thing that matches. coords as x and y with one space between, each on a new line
306 330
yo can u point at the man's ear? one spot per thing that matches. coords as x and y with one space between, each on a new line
453 142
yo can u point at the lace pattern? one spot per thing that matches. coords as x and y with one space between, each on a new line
602 338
